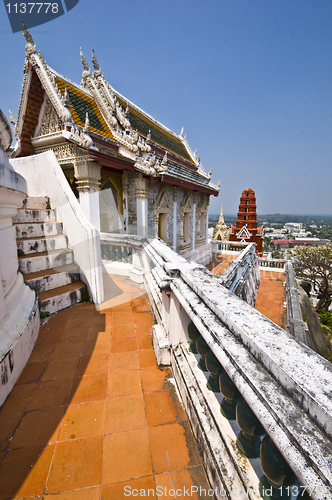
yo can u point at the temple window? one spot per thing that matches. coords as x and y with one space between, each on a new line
186 228
202 225
162 227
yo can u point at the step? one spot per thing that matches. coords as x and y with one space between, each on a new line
35 262
39 244
48 279
61 298
32 229
29 215
39 203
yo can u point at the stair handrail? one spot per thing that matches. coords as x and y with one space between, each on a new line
45 177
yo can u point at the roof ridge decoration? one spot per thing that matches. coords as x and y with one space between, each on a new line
161 168
95 62
79 135
86 70
30 47
145 165
195 157
183 137
117 117
114 114
12 119
215 186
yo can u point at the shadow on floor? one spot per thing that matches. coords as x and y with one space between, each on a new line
92 413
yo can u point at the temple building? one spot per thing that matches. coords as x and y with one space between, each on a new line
246 229
131 173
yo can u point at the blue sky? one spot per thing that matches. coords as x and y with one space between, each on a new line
249 80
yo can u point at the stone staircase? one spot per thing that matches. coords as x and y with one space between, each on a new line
44 259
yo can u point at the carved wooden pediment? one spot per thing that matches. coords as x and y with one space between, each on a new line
162 203
186 205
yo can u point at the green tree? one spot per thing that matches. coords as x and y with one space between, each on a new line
314 264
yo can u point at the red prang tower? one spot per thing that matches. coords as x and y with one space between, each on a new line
246 225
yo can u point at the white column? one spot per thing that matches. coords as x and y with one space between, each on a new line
175 206
87 174
89 201
193 238
207 226
142 194
125 200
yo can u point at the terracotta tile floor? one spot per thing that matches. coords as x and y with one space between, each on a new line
271 297
92 413
220 268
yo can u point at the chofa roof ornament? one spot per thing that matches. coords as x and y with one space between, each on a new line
161 167
86 70
26 34
6 136
94 61
30 47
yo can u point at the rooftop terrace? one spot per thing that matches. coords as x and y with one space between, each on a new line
92 413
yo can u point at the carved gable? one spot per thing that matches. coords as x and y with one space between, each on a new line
162 203
204 203
186 205
50 121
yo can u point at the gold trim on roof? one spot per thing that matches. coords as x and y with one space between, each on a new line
65 85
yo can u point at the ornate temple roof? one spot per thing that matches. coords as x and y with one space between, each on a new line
97 118
82 101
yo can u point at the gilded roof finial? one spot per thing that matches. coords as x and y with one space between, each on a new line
87 124
94 61
83 60
26 34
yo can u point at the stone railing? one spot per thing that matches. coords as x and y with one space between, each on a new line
116 253
272 263
295 324
242 276
269 394
219 246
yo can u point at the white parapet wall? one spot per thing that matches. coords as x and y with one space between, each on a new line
19 313
45 178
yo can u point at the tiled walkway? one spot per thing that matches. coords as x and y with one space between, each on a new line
271 297
271 293
222 266
92 414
